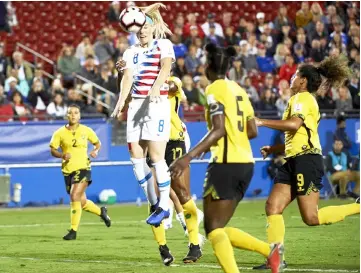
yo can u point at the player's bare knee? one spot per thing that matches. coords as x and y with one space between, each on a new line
76 196
311 219
273 208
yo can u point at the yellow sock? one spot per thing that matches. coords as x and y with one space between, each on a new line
223 250
191 218
91 207
159 234
243 240
334 214
275 229
75 214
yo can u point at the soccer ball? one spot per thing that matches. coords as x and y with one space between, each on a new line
107 196
132 19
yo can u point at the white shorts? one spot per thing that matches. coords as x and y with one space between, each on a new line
148 121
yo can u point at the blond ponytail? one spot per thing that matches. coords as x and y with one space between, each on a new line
161 28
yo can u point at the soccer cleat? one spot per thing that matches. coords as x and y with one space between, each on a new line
71 235
166 256
275 258
105 217
265 266
156 218
358 200
194 254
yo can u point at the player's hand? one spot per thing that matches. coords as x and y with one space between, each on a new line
266 151
66 156
117 113
154 94
119 65
94 153
258 121
178 166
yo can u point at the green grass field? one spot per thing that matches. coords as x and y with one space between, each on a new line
31 241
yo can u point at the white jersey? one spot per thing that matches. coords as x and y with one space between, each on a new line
145 63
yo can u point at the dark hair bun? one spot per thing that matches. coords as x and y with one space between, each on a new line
211 48
230 51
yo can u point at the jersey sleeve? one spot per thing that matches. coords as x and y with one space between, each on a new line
55 140
214 100
166 49
92 137
299 107
128 58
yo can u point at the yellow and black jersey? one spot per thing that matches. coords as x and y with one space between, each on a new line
76 144
305 140
228 98
177 130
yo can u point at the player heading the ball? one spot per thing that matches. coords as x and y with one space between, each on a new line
148 65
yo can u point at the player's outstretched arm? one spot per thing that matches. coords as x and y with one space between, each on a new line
218 130
267 150
126 85
95 151
252 129
292 124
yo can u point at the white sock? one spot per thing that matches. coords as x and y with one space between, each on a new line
163 181
141 175
168 222
152 195
181 220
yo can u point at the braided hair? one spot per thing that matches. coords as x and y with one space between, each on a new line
219 58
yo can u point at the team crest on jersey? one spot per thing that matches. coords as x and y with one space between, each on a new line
298 107
181 134
304 147
83 136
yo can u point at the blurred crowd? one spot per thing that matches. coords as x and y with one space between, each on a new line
269 53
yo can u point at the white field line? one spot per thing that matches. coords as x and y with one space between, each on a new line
63 224
145 264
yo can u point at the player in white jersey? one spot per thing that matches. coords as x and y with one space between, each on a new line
148 65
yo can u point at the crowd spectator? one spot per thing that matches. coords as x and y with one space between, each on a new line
212 22
190 91
80 49
237 73
251 91
267 102
269 83
57 108
104 48
304 15
265 64
285 94
107 79
324 100
38 97
22 71
21 110
282 19
191 61
288 69
344 102
341 134
339 169
39 76
280 57
68 64
3 64
192 22
180 69
213 37
114 12
249 60
89 71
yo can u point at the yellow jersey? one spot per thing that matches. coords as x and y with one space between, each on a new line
305 140
76 144
227 97
177 130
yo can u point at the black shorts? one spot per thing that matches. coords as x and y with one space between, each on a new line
304 173
77 177
228 181
174 149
